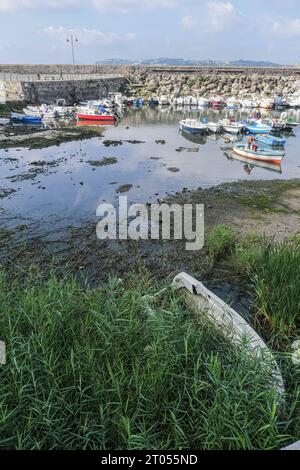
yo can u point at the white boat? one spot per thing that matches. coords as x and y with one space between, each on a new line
213 126
294 101
4 121
163 100
232 127
267 103
248 103
203 101
193 126
42 111
233 325
232 103
178 101
261 154
190 101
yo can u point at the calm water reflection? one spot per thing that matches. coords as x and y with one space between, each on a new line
67 185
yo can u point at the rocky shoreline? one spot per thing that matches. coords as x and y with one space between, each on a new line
148 83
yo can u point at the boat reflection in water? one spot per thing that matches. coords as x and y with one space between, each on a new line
195 138
96 123
249 165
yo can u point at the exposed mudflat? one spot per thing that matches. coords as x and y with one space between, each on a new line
77 249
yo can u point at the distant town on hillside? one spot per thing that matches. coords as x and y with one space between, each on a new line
188 62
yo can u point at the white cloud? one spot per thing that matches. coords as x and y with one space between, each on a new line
188 21
213 17
286 26
221 15
88 37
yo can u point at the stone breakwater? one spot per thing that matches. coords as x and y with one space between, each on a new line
147 83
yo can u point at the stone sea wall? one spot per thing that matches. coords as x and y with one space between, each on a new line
207 83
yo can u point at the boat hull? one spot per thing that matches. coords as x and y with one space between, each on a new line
232 129
274 158
95 117
192 130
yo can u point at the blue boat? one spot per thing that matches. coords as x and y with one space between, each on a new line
152 102
138 102
257 127
25 119
271 140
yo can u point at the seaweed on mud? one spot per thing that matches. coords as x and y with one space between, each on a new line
103 162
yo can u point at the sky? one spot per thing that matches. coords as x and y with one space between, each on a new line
35 31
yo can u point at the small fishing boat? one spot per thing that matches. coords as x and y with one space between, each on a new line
238 331
163 100
179 101
217 103
271 140
255 127
4 121
213 127
190 101
43 111
267 103
95 113
152 102
25 119
232 127
193 126
247 103
138 102
280 102
203 101
249 164
261 154
288 123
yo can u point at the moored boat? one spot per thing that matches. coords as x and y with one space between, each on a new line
190 101
255 127
232 127
25 119
261 154
163 100
213 126
217 103
193 126
203 101
271 140
4 121
250 164
267 103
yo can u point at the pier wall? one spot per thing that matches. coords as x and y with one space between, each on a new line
73 89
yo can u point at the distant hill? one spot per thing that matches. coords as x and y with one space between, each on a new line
188 62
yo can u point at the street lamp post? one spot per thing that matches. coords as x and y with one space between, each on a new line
72 39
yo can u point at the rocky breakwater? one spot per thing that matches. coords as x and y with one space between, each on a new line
206 84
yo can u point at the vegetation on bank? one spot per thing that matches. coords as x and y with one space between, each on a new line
91 369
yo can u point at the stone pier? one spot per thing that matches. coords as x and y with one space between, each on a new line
47 83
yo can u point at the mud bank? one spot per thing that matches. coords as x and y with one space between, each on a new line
250 209
34 137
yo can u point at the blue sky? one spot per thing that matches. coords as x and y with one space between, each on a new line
35 31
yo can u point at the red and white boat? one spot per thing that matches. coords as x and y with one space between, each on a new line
94 114
217 102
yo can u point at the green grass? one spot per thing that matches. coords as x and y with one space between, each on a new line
274 275
220 242
89 369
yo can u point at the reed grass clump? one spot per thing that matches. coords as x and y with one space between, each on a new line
274 276
89 369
